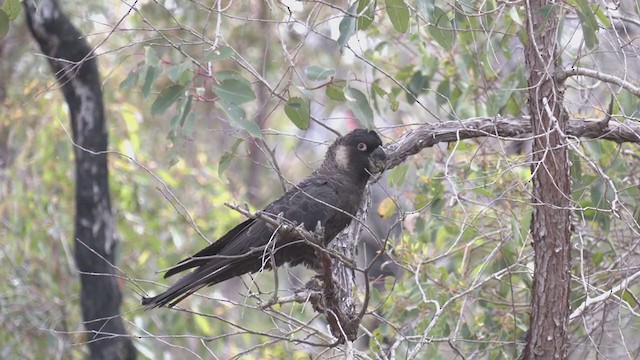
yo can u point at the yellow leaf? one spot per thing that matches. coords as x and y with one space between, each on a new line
386 208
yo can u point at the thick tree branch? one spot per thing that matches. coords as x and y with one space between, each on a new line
564 74
415 140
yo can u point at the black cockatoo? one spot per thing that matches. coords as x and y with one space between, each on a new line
330 196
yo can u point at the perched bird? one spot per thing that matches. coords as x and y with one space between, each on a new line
330 196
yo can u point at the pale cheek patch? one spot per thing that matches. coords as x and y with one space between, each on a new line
342 157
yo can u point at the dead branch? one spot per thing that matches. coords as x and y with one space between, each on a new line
503 127
594 74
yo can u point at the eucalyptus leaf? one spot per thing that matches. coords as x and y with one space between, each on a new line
221 53
317 73
347 28
130 80
225 159
180 73
234 91
4 23
12 8
152 59
238 118
441 29
166 98
358 103
398 13
366 13
149 78
335 90
297 109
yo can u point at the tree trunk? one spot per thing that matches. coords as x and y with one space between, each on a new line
75 67
550 225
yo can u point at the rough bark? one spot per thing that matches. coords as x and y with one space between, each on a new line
550 225
509 127
72 60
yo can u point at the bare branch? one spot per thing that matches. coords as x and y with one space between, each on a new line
603 297
506 128
563 75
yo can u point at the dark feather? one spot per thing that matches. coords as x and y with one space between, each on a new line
329 196
201 256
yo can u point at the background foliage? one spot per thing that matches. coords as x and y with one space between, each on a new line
214 102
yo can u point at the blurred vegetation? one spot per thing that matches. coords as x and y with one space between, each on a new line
198 95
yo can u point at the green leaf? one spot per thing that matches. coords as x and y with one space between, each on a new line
297 109
221 53
359 104
234 91
188 127
152 58
12 8
131 79
441 29
425 8
629 297
231 75
417 85
335 90
238 118
347 28
167 97
234 112
597 258
377 90
398 13
149 78
366 13
186 109
602 16
173 127
588 22
225 159
515 16
250 127
394 104
442 92
589 16
179 74
4 23
316 73
397 176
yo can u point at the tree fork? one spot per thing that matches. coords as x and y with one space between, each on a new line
550 225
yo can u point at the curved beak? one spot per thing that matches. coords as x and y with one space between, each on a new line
377 160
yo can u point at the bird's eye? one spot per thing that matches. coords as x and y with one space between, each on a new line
362 147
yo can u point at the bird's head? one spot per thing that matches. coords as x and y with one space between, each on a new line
359 152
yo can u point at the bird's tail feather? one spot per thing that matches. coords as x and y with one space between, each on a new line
204 255
188 285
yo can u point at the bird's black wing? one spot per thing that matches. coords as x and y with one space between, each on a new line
246 247
201 257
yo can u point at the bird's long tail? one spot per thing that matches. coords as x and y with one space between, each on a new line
208 271
199 278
